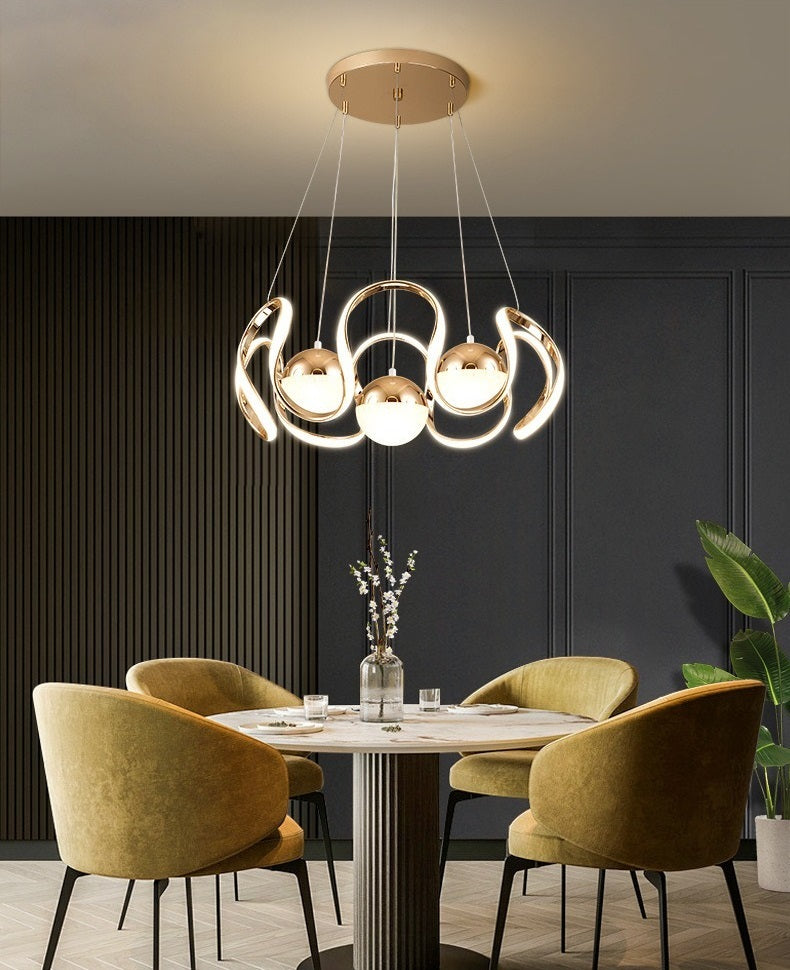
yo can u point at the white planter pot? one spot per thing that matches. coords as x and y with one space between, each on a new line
773 853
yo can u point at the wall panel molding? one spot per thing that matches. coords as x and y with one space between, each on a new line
635 411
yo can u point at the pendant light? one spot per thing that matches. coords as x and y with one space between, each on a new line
317 385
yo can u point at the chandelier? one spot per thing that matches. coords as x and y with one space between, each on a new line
318 385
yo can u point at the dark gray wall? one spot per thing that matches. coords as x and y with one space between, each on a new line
580 540
140 516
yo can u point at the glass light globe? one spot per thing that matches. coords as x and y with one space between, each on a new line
312 382
470 376
392 410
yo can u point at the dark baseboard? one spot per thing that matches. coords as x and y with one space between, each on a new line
747 852
28 851
460 849
482 849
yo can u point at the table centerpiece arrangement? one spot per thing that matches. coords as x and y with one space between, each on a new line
381 672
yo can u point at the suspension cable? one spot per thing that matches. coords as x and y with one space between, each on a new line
488 207
331 228
392 306
460 230
301 205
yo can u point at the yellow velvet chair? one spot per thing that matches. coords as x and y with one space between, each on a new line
216 687
596 687
141 789
661 788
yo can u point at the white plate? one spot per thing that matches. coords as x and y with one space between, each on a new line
482 709
267 727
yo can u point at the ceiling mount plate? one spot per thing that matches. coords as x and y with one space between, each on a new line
397 84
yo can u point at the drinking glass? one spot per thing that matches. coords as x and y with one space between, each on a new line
429 699
316 706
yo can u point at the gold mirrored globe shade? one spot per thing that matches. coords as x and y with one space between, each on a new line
391 410
312 382
471 376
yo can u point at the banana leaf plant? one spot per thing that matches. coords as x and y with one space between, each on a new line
757 592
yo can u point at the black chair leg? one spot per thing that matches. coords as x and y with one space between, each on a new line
563 885
126 900
317 798
659 880
190 922
218 908
513 864
638 894
70 876
737 907
236 886
299 869
598 918
455 796
160 885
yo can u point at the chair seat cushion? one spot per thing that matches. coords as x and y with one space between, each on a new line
528 839
503 773
304 776
283 845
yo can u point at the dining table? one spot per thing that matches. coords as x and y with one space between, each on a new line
396 816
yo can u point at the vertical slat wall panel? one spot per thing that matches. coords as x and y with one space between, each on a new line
140 516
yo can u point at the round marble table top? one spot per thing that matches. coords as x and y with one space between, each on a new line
420 732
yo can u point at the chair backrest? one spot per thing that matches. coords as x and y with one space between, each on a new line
596 687
661 787
207 686
141 789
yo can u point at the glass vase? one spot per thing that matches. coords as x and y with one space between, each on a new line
381 686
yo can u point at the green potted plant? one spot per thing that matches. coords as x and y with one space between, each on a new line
757 592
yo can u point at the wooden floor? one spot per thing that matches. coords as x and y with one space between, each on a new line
265 929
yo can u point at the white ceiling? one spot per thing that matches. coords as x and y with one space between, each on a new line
218 107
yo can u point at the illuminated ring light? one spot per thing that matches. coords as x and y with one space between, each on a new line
377 338
348 360
310 437
251 403
476 440
550 357
512 325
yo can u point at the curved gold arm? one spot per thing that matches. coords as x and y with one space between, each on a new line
550 357
348 360
475 440
251 403
311 437
512 325
378 338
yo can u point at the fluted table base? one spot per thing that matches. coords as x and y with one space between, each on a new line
396 870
